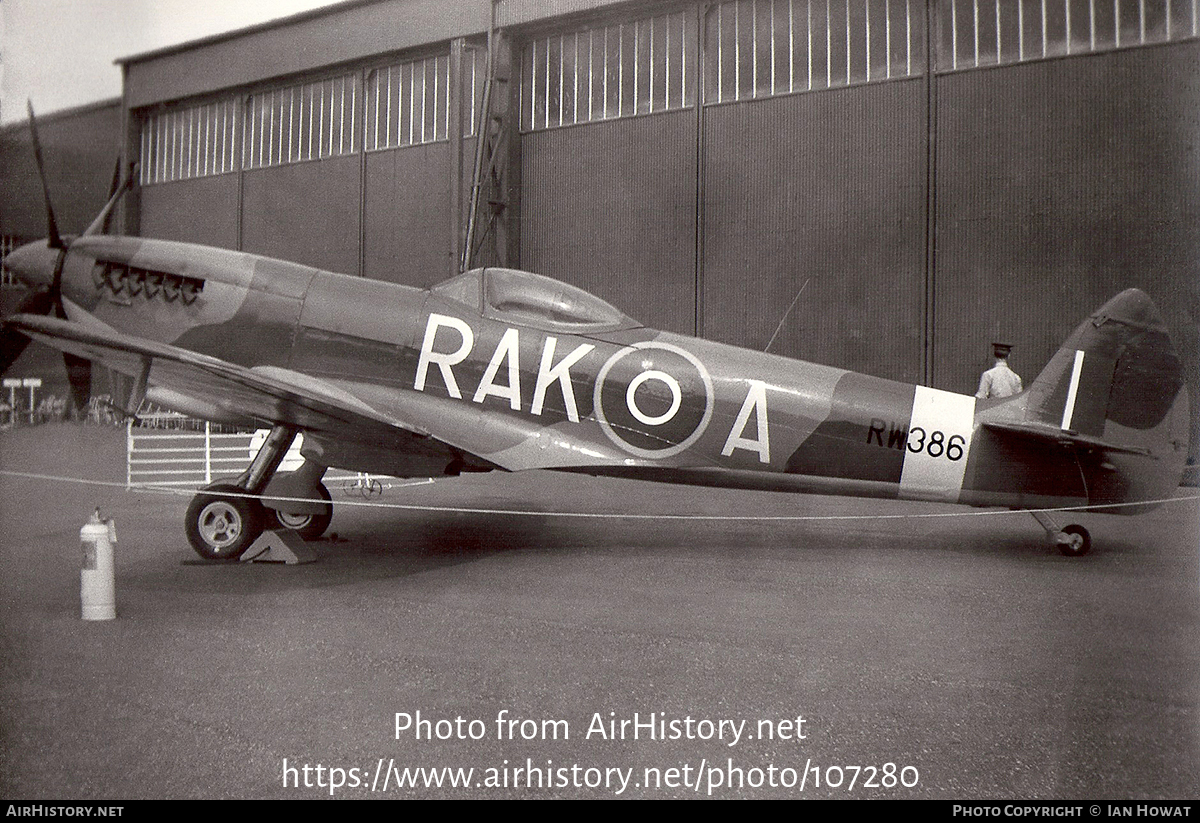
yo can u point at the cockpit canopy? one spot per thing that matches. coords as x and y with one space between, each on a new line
533 300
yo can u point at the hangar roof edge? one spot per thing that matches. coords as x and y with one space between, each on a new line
266 25
43 118
527 11
320 40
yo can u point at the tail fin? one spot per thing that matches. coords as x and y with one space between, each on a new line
1118 381
1119 365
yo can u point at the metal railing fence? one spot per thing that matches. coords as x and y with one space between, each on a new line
166 449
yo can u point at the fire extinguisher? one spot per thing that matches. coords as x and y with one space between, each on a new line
97 587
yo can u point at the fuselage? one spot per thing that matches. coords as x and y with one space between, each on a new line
527 373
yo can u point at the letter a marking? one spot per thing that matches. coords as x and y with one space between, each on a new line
756 401
508 349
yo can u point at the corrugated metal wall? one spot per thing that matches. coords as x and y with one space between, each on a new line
201 210
407 238
827 190
1060 183
307 212
611 207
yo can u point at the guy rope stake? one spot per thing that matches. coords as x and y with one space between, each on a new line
97 588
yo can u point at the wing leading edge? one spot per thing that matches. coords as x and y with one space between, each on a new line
271 394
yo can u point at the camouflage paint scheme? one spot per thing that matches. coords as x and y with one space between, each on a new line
499 369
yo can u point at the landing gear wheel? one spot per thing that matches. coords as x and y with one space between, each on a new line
220 525
1074 541
307 526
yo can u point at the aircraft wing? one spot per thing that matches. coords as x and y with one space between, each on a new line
271 394
337 410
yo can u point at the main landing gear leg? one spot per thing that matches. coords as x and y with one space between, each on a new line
225 518
1073 540
308 519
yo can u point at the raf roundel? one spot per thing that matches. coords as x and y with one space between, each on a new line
648 399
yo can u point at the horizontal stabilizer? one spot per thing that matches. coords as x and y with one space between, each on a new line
1053 434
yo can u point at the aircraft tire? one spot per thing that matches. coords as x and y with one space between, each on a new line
1078 541
222 526
307 526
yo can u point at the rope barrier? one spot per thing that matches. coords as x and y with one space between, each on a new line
605 515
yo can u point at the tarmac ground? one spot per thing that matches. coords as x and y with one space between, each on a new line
954 644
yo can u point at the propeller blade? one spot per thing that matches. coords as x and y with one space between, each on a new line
79 375
54 239
12 345
12 341
40 302
55 292
100 224
116 178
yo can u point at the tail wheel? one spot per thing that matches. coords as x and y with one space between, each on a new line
307 526
1074 541
221 522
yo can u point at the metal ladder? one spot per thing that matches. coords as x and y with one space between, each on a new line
490 175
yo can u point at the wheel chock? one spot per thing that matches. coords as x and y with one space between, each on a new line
279 547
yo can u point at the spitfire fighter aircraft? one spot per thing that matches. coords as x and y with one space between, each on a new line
504 370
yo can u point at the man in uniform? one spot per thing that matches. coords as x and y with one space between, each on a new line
999 380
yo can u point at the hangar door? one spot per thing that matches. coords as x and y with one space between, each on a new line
189 164
680 161
275 172
350 172
814 211
608 163
1067 172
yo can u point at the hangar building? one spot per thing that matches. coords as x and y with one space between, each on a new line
893 184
